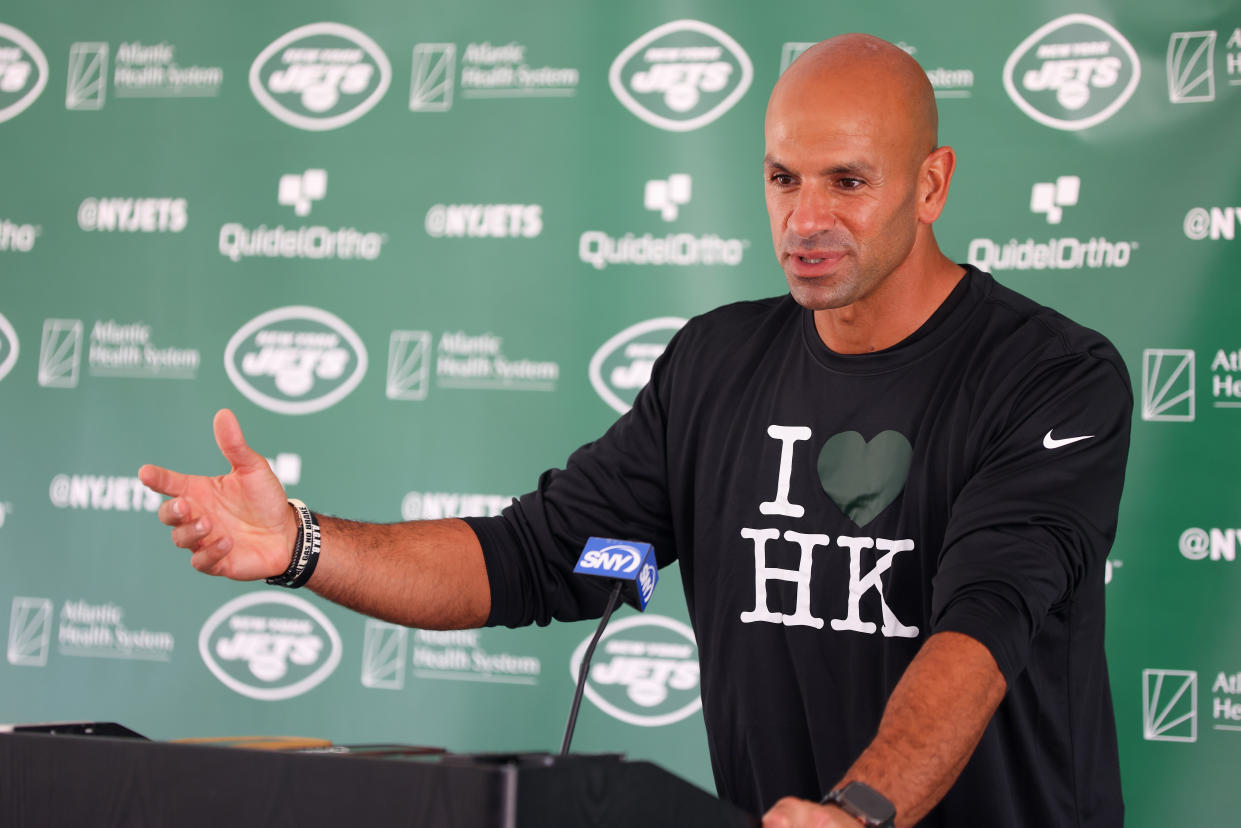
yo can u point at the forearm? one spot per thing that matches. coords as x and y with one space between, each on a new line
931 725
427 574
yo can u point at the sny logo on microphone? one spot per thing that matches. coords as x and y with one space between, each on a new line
622 561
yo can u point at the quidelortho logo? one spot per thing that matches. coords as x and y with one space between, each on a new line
1213 223
133 215
645 672
436 505
301 191
487 71
1051 197
142 70
23 72
667 195
462 361
320 76
269 646
622 365
1072 73
1168 385
116 350
17 237
484 221
681 76
295 360
287 467
600 249
9 347
1062 253
1170 705
1192 65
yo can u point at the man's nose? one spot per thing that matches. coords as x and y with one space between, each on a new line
814 212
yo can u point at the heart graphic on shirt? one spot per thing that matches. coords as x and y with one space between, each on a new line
863 478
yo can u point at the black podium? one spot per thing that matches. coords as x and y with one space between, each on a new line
75 780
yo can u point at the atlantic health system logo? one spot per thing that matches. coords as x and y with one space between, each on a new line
1192 65
1170 705
1168 385
497 71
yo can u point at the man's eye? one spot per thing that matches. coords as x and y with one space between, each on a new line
850 183
781 179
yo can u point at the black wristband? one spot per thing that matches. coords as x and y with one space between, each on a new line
305 550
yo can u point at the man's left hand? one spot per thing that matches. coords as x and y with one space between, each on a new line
801 813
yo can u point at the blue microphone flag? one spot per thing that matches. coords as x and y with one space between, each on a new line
622 560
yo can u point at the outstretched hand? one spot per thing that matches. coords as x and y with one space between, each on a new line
239 524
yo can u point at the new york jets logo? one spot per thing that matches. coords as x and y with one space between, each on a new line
622 365
23 71
645 671
1072 73
295 360
8 350
269 646
681 76
320 76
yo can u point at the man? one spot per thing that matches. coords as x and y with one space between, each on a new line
891 495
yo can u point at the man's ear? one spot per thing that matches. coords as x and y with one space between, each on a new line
934 177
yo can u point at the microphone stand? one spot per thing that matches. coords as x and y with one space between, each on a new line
584 668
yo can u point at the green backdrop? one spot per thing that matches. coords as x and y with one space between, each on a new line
426 249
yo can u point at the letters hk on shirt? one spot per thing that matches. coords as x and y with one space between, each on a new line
860 583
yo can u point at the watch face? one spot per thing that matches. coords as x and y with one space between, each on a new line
861 800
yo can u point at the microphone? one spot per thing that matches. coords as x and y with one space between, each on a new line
632 566
630 563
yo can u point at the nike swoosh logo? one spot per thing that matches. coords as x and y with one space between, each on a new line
1050 442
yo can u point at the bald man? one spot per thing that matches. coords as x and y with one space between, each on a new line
890 493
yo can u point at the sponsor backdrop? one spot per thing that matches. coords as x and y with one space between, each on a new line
424 253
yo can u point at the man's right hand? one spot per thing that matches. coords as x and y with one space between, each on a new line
238 525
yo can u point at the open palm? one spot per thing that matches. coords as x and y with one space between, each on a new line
239 524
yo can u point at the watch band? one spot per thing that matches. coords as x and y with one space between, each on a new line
857 799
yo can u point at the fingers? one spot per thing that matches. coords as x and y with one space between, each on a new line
191 534
162 480
173 512
232 443
208 559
